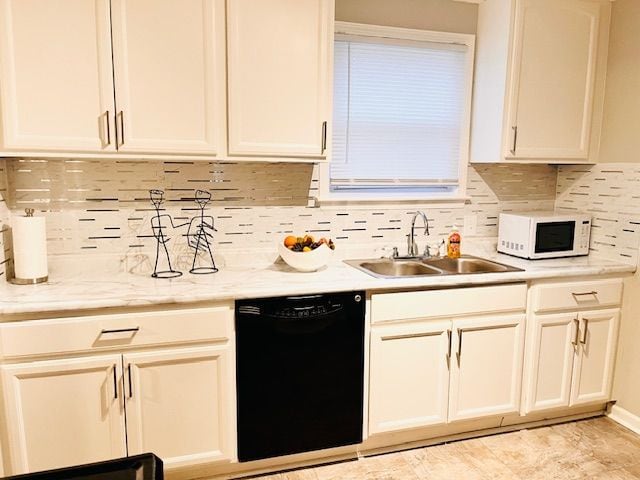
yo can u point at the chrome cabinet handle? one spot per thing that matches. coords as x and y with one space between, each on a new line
115 383
515 140
449 338
121 136
106 115
575 340
324 136
409 335
130 383
586 330
119 330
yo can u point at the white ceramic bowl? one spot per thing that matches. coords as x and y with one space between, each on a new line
306 261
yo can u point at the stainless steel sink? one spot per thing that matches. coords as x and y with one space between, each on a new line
397 268
467 264
389 268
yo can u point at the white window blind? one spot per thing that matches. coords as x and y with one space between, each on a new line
399 109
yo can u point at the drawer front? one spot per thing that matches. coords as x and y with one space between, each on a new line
387 307
576 295
100 332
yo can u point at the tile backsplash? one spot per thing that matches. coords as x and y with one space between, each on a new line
611 194
4 221
102 206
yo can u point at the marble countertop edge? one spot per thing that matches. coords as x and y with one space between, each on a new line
68 292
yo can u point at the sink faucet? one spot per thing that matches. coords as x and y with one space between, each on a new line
412 248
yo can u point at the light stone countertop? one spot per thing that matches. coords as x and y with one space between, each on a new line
75 286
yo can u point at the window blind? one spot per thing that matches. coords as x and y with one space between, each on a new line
398 113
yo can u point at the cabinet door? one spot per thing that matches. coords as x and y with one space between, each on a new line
56 82
169 75
549 364
409 376
180 404
279 76
593 371
555 53
63 412
486 370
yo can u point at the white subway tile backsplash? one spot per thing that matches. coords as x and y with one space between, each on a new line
611 194
102 206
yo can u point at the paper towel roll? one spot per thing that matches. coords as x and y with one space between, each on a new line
29 247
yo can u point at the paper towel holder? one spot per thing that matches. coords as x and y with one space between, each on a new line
29 281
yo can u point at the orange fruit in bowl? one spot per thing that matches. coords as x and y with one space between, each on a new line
290 241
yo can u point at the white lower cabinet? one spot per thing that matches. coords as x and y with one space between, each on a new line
116 385
409 379
64 412
179 405
552 357
571 359
595 356
486 368
432 371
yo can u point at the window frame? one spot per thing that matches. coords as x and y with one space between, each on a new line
411 36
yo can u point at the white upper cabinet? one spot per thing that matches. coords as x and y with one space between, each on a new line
279 76
56 84
169 58
539 86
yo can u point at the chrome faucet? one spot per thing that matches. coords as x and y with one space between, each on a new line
412 248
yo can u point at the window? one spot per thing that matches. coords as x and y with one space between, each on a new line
401 113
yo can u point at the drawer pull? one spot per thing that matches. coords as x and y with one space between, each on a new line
586 330
575 340
584 294
119 330
409 335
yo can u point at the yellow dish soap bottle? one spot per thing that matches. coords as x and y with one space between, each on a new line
453 244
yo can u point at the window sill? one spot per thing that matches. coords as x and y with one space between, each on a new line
337 201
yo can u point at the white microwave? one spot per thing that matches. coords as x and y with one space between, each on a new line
537 235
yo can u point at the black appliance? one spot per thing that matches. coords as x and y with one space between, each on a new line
300 373
138 467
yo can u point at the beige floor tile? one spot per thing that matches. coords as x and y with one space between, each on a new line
351 470
389 467
605 441
596 449
621 474
302 474
633 470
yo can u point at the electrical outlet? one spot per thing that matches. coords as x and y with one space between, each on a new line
471 225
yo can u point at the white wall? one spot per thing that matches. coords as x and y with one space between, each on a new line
442 15
621 144
621 128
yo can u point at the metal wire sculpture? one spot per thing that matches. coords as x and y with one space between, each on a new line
200 236
159 226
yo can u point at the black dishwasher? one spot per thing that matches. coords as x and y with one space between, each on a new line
300 373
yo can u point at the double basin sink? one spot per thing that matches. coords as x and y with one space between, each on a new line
416 267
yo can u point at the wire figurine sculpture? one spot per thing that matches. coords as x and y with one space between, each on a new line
200 236
158 227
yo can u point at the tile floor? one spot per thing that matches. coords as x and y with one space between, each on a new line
596 449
